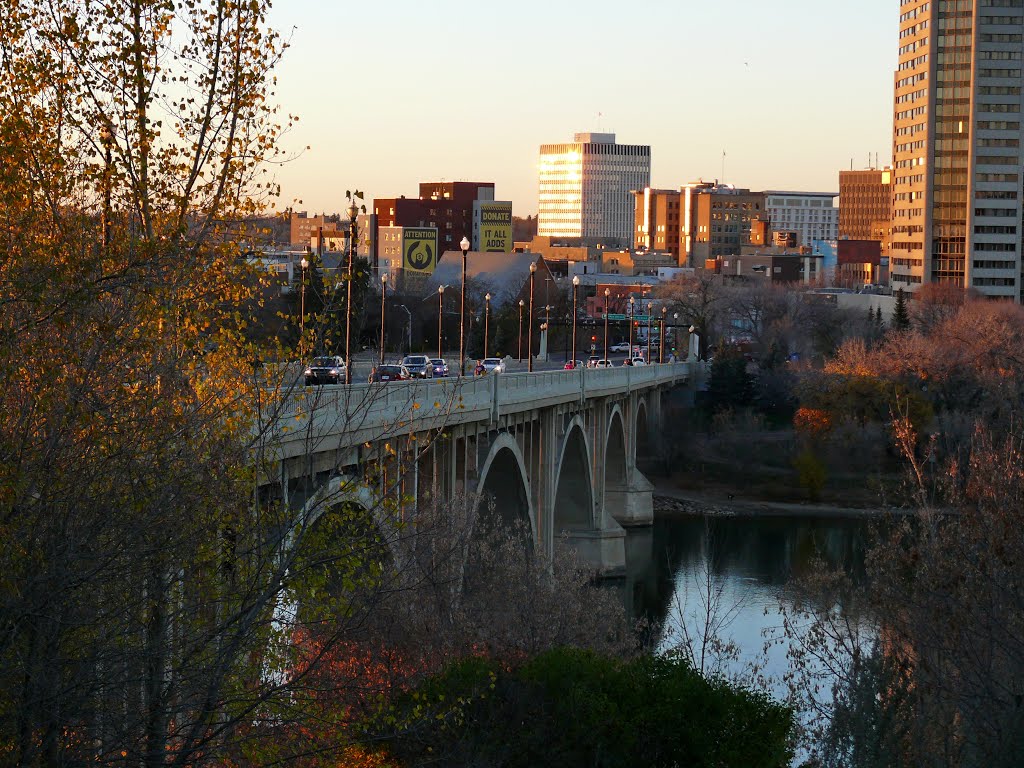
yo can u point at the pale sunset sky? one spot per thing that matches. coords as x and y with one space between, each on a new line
393 93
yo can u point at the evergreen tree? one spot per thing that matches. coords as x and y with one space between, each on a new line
900 316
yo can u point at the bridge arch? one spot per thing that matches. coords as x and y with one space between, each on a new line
615 453
641 432
574 487
503 479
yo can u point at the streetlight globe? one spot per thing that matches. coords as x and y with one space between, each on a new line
353 211
487 297
575 279
384 278
304 262
675 315
607 292
464 244
521 303
533 266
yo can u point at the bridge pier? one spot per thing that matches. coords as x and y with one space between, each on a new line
632 504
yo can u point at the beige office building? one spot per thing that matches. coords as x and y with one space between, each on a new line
956 146
586 189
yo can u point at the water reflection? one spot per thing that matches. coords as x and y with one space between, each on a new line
744 565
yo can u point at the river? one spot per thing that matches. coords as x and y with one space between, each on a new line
747 566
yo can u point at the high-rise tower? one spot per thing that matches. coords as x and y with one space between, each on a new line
956 145
586 189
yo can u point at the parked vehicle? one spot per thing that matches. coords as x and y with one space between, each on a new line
494 365
325 370
419 366
440 367
382 373
622 346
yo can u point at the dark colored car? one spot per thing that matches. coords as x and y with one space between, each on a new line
325 370
419 366
440 367
389 373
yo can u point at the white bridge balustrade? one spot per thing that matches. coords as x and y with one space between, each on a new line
553 449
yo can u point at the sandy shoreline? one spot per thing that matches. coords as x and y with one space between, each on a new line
677 501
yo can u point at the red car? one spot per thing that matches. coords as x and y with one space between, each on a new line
389 373
573 365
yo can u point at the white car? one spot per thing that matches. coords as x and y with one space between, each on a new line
494 365
604 364
622 346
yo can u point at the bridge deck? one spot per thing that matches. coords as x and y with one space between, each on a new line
331 418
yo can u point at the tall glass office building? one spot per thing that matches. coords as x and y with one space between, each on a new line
585 189
956 146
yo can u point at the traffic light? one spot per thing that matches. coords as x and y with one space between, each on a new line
593 338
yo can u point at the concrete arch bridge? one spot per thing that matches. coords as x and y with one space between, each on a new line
555 450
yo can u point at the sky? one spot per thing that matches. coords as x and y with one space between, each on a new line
390 94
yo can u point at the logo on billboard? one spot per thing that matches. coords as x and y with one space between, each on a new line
419 249
496 227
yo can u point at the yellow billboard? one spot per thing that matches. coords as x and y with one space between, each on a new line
496 227
419 249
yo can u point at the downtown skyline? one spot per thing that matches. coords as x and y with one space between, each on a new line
791 99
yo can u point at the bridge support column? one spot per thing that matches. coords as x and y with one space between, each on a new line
603 548
632 504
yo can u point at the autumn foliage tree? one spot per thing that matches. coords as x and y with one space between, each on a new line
135 598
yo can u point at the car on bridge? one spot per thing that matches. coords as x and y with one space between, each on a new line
440 367
383 373
325 370
419 366
493 365
572 365
606 363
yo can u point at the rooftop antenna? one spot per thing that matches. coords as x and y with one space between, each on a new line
599 116
723 166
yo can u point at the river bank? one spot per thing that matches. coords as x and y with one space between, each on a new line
672 502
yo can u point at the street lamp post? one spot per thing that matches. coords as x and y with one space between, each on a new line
632 304
529 319
661 342
521 303
440 314
353 211
464 245
675 332
575 285
607 293
302 300
487 319
649 306
383 297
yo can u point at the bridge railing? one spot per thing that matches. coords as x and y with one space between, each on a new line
350 415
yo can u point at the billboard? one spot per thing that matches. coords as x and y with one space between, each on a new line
495 227
419 249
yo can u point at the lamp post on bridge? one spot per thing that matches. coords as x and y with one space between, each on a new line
649 307
661 342
607 294
529 319
632 305
487 319
353 211
520 337
440 314
302 301
383 298
464 245
575 285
